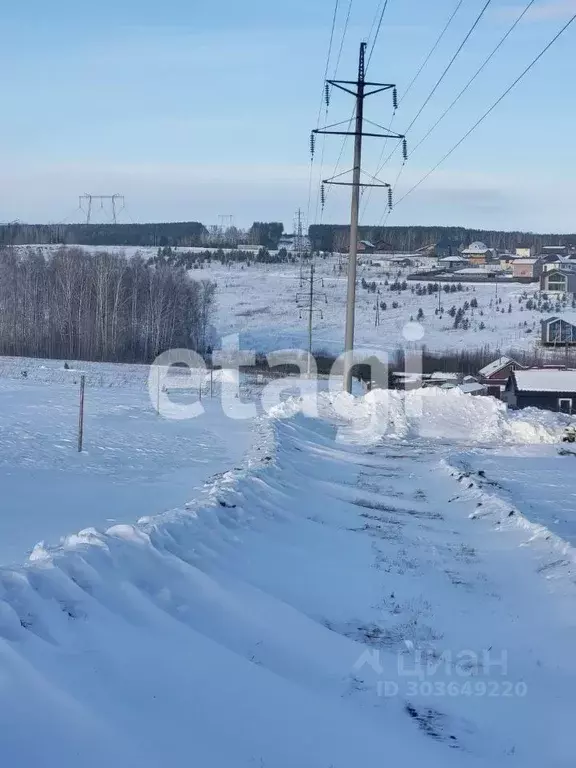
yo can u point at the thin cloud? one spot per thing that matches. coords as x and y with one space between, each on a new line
544 11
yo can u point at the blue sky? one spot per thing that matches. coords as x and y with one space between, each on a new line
192 110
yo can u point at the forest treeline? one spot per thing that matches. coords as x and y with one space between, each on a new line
336 237
324 237
99 306
187 234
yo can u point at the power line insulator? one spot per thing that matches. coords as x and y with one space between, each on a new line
395 98
312 145
322 196
327 95
405 149
390 198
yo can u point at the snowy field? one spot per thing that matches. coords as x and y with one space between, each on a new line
353 597
134 462
260 303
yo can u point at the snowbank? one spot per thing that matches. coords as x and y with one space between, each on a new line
435 414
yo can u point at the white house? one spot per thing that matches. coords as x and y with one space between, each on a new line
525 251
477 252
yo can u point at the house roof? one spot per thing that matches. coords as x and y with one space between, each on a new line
454 258
568 317
472 386
495 366
526 261
545 380
443 376
476 247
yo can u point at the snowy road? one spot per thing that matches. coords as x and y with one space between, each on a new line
339 605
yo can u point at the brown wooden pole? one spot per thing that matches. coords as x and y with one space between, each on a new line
81 413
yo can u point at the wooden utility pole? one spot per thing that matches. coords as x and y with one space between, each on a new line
81 414
357 88
306 302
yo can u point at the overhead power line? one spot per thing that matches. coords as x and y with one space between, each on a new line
328 57
492 108
431 51
326 99
380 20
442 76
450 63
475 75
462 92
411 84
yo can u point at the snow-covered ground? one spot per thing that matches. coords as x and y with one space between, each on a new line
134 463
261 303
390 580
351 597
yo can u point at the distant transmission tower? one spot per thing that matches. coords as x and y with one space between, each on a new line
225 221
300 248
89 200
225 229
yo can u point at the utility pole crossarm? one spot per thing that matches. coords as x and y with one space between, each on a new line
383 86
364 133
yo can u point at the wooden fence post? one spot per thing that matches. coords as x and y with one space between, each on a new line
81 413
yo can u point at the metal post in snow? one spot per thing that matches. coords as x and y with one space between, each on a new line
81 414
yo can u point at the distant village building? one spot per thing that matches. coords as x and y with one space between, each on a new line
453 262
444 379
558 280
473 388
559 330
554 261
365 246
555 250
495 375
550 389
525 251
527 269
477 253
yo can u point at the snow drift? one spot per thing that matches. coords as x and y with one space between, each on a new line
251 630
446 415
